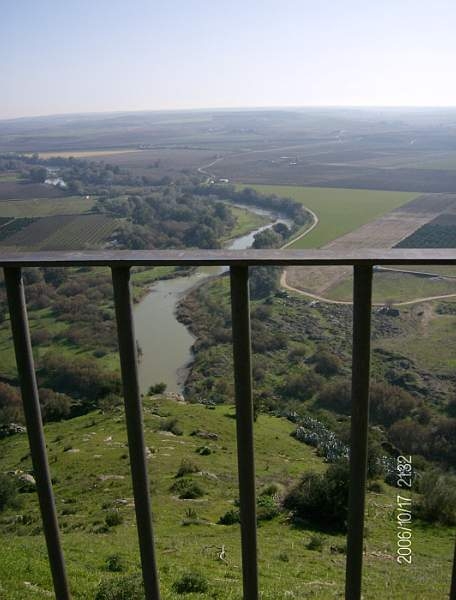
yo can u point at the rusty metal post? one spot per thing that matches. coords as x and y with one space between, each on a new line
244 426
32 412
135 429
362 302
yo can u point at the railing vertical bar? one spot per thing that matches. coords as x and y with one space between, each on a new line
453 578
135 429
239 277
362 303
29 390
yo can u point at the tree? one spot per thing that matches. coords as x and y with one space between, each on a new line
336 396
38 174
321 500
390 403
10 404
8 492
158 388
263 281
326 363
303 386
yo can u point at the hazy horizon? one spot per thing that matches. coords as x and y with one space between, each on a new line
107 57
207 109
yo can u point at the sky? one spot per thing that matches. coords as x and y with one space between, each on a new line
75 56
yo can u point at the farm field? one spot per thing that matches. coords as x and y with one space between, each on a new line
90 453
10 190
397 218
252 169
395 287
339 210
160 162
87 153
9 177
62 232
46 207
438 233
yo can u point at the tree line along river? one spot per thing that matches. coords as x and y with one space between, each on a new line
165 342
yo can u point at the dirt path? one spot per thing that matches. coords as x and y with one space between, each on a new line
284 284
315 222
203 168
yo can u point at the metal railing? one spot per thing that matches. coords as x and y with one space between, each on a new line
239 262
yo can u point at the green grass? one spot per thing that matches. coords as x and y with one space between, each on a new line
447 162
339 210
427 338
246 221
8 177
83 499
396 287
46 207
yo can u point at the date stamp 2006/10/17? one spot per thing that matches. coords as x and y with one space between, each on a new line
404 510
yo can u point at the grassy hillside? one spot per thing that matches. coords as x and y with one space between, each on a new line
89 462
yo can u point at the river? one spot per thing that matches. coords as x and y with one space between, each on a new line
166 343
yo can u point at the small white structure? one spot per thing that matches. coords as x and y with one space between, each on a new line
56 181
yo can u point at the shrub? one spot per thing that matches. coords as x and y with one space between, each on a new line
438 500
128 587
171 425
186 468
158 388
8 492
113 518
77 377
326 363
315 433
191 582
114 563
390 403
336 396
297 355
303 386
316 542
321 499
187 489
54 406
110 403
442 441
273 489
451 407
410 437
203 451
10 404
376 487
231 517
267 508
191 513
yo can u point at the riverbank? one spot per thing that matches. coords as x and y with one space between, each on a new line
165 341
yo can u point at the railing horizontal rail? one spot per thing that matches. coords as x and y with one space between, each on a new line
245 258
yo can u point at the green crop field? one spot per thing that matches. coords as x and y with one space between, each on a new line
46 207
89 463
339 210
8 177
396 287
63 232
